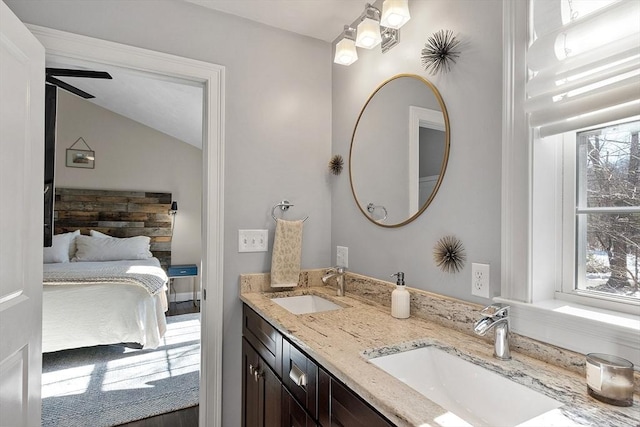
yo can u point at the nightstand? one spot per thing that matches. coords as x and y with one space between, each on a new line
184 270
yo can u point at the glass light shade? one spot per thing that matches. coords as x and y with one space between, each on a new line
346 53
368 34
395 13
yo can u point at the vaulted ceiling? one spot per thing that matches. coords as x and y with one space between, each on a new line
175 107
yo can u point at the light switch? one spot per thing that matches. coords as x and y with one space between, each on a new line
253 240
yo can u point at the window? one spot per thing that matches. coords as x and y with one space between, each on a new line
583 66
607 212
571 71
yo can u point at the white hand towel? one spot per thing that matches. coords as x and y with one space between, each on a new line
287 249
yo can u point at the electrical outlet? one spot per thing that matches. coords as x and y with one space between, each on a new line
480 280
342 256
253 240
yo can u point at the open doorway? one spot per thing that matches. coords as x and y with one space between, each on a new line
72 46
145 136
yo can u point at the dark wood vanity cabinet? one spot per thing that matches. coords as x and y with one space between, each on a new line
282 386
264 338
300 375
293 415
261 390
261 372
347 409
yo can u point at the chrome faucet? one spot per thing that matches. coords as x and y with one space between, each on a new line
338 273
496 316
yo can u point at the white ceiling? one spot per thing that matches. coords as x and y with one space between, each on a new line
168 105
175 107
320 19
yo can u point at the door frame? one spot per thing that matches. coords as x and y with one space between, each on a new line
68 45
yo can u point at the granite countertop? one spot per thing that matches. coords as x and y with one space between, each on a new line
343 340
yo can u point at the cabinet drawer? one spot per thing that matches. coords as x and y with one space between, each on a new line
347 409
264 338
182 270
300 375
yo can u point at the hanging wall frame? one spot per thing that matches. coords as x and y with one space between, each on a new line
79 158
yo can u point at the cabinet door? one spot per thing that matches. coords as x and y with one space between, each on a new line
250 392
261 391
271 389
324 398
293 415
348 410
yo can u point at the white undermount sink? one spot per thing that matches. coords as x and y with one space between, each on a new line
304 304
473 394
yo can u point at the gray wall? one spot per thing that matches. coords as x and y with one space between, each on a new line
468 203
278 115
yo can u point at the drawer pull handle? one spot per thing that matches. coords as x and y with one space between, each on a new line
297 376
252 370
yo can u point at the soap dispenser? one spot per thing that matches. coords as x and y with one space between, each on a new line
400 304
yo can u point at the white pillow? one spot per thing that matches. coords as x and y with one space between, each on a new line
72 245
95 233
63 248
91 248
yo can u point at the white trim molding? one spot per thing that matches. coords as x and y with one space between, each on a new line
419 118
516 158
212 76
577 327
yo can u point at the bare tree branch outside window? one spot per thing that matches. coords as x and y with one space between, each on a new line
609 177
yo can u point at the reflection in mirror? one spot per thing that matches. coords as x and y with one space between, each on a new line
399 150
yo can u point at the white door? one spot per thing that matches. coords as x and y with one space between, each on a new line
21 221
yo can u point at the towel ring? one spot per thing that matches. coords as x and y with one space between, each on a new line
284 206
371 208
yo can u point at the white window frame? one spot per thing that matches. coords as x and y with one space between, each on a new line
534 259
566 289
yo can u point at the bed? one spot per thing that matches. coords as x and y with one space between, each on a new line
95 311
101 288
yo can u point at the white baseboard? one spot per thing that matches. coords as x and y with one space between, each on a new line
182 296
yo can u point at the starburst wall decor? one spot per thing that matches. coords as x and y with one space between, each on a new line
449 254
440 52
335 164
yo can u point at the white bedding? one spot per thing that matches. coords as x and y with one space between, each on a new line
101 313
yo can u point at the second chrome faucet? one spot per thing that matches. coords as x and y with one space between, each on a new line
496 317
338 273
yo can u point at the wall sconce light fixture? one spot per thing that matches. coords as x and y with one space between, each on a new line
346 52
369 28
174 208
395 13
373 30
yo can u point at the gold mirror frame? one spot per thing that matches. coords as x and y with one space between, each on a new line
445 158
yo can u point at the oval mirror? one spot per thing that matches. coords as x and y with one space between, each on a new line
399 150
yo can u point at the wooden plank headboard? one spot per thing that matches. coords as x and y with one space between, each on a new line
118 214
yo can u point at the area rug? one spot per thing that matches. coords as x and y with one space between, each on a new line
110 385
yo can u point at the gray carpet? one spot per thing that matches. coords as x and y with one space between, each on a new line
111 385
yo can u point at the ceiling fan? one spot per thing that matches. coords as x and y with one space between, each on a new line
65 72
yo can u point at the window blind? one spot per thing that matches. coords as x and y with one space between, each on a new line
584 63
